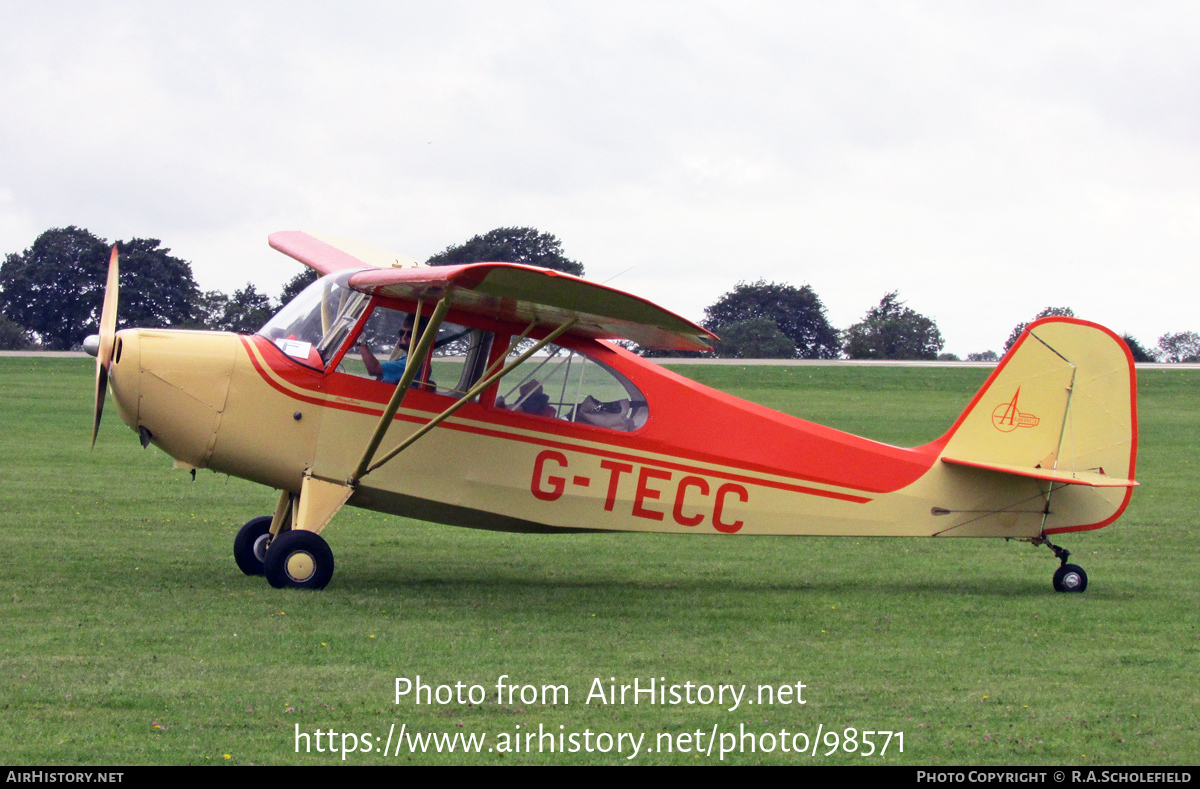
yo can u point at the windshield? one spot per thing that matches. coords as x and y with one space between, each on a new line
314 324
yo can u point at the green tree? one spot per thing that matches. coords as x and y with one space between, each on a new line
296 284
13 336
209 310
757 338
510 245
893 331
1137 350
244 312
157 288
984 356
1061 312
1181 347
56 287
797 313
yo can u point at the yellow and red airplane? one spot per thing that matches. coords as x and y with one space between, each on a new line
491 395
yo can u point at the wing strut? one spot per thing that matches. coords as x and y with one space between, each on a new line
487 381
415 362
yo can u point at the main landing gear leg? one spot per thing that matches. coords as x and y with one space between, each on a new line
1068 577
296 555
288 557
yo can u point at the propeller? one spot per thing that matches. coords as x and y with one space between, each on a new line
108 330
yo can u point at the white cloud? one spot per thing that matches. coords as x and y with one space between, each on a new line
987 161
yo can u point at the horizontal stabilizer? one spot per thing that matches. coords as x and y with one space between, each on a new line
1092 479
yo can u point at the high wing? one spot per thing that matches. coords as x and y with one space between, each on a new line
505 291
328 254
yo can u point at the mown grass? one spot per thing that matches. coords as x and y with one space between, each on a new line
130 637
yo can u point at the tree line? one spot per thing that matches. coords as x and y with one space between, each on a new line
51 295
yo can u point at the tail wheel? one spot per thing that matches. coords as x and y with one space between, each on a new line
250 545
1070 578
298 560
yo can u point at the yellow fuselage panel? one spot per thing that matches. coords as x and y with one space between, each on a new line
266 436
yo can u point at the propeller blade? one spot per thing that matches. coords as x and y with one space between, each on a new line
101 386
108 330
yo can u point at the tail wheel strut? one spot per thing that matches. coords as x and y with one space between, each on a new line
1068 577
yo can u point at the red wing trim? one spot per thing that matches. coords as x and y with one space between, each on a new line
517 293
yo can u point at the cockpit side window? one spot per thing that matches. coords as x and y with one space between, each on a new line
561 383
457 361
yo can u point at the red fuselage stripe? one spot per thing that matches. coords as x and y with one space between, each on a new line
558 444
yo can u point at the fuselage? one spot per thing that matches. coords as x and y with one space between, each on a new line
702 461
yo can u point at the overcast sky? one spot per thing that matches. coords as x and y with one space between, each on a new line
986 160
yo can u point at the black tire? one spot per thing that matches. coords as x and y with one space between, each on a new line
1070 578
298 560
250 545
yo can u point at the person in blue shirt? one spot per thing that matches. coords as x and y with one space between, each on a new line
389 372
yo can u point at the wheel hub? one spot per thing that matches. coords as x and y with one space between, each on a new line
260 547
300 566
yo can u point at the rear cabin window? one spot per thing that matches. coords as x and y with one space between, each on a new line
559 383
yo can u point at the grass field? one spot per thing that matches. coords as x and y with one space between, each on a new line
129 636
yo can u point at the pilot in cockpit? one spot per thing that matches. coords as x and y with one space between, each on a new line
390 372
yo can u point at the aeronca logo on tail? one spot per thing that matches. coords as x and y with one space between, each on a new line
1006 417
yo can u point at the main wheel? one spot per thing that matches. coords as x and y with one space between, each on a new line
250 545
299 560
1070 578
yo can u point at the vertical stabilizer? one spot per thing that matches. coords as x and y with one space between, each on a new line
1061 405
